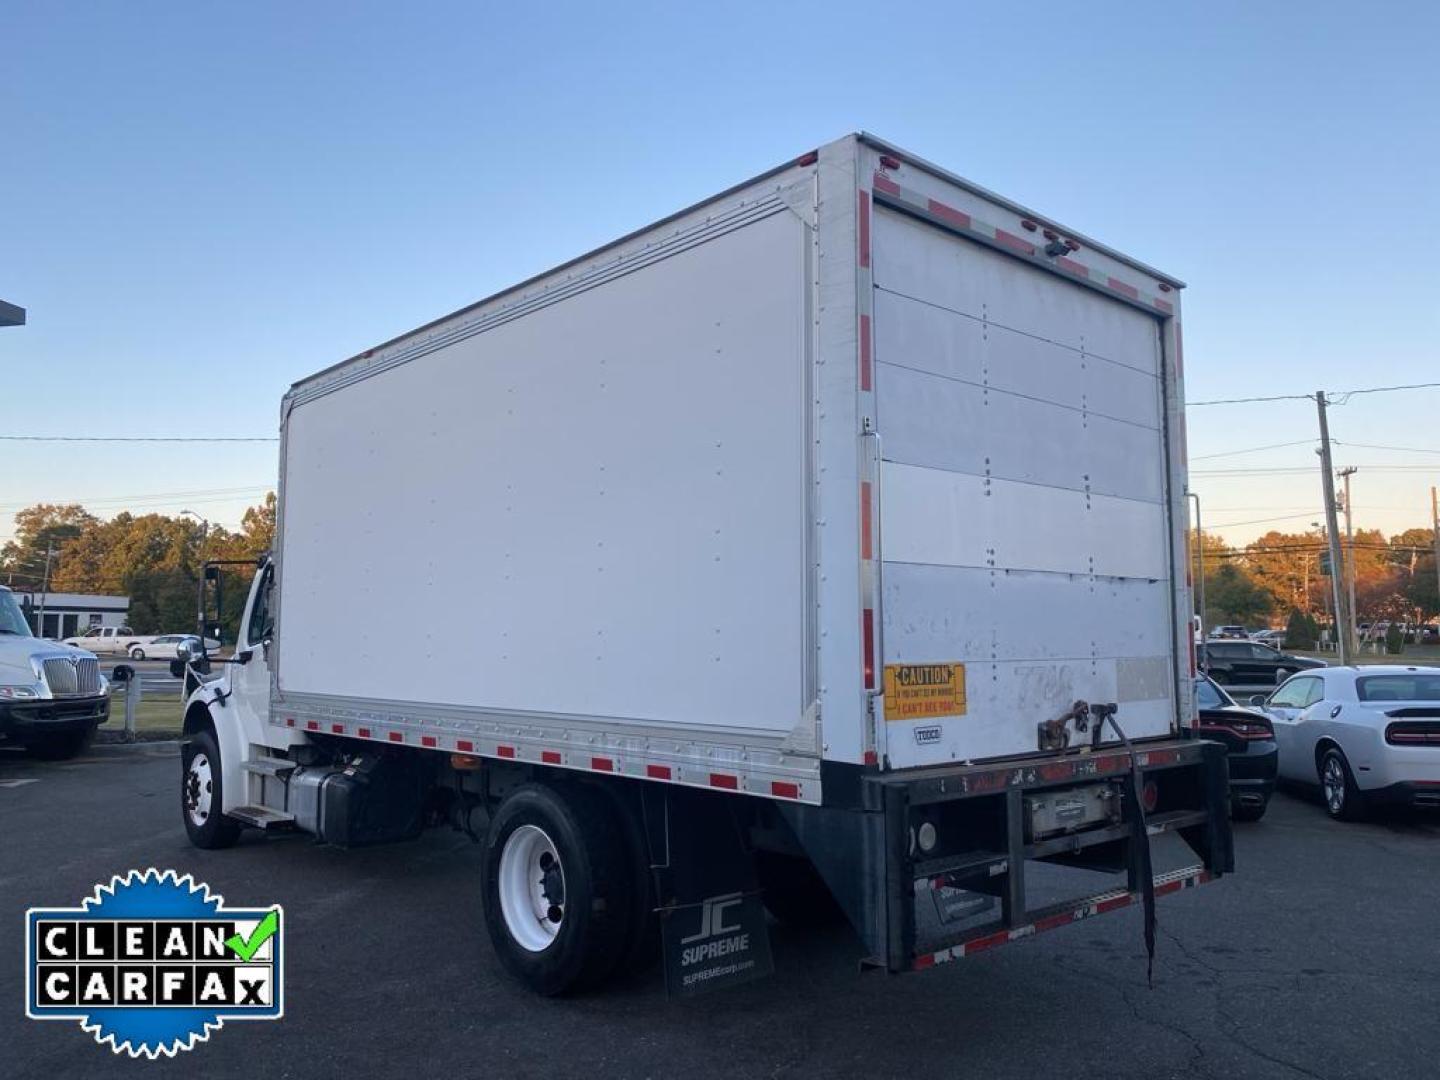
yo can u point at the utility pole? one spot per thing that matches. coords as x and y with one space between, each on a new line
1343 644
44 590
1345 475
1200 556
1435 526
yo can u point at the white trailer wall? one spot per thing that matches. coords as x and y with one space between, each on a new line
608 493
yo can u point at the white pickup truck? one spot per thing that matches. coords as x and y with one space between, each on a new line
112 641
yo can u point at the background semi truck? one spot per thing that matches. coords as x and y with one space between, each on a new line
822 545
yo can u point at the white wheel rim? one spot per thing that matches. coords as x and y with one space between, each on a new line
199 789
532 888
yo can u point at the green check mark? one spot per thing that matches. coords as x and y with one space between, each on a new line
246 948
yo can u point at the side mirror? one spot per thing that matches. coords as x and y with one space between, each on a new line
1257 699
188 652
177 669
123 673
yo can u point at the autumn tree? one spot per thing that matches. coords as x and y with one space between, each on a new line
38 528
154 559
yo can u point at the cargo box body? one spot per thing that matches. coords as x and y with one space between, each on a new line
837 467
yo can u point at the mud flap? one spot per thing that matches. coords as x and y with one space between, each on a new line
713 927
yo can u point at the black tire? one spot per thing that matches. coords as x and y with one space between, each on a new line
201 800
1343 800
60 745
588 883
1249 812
794 892
137 653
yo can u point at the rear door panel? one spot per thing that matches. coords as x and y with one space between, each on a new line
1023 509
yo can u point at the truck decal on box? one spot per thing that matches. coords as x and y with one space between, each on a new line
924 691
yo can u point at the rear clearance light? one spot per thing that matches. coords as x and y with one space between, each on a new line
1413 733
1242 729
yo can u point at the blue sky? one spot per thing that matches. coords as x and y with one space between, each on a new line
203 203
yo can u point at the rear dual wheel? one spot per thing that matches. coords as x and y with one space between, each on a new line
565 902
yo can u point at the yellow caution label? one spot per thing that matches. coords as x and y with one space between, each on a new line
924 691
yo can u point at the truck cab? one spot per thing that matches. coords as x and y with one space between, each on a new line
227 718
52 697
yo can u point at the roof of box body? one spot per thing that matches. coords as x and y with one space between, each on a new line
861 136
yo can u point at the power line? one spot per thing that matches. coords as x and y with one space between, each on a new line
153 497
1254 449
1260 521
1282 470
1343 395
1397 449
140 438
1248 400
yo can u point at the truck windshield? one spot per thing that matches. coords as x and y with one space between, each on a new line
12 620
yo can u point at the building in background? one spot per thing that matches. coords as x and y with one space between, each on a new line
68 614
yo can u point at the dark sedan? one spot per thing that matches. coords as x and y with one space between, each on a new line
1248 663
1249 739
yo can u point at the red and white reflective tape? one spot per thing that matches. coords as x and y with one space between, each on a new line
959 221
708 776
1165 884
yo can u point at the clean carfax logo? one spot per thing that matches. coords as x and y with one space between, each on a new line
152 963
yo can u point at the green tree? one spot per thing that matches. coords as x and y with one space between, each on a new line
1301 630
1413 556
1233 596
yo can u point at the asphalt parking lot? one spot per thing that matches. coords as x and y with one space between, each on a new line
1316 959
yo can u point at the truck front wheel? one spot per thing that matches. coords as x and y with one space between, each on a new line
558 887
200 794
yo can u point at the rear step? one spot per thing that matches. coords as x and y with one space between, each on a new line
1071 911
261 817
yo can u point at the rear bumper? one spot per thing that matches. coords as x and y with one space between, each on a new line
1423 793
21 718
1253 772
981 818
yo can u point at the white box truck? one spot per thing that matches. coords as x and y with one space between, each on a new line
815 545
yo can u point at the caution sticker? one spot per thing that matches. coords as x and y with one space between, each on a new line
923 691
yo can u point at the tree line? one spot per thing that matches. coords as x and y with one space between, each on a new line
154 559
1282 573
